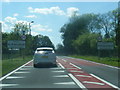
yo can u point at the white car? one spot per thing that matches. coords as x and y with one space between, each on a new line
44 55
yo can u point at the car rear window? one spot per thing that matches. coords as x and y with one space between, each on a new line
44 50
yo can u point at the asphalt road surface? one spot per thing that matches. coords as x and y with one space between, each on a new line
69 73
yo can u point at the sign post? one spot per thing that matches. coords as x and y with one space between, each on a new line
104 46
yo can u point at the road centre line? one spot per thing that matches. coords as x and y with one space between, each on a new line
61 66
75 65
105 81
14 71
77 82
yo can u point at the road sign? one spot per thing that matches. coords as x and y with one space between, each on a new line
23 37
16 44
105 45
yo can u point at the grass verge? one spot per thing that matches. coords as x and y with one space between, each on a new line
113 61
10 64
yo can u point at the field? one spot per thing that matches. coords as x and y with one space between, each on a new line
10 64
113 61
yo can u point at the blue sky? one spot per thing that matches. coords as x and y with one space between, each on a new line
48 17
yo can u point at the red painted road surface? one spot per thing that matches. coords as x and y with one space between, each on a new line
82 76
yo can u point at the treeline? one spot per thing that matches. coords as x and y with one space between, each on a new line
31 42
81 34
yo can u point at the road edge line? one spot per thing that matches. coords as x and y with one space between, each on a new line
14 71
105 81
77 82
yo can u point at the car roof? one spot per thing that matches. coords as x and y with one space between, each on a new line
44 48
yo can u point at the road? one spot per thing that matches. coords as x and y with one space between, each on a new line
69 73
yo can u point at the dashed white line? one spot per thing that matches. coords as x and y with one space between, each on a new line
66 83
78 82
58 71
105 81
61 76
21 72
83 76
75 66
5 85
93 83
11 77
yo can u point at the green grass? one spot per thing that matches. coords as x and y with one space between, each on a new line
10 64
113 61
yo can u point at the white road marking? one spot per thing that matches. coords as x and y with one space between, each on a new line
105 81
75 66
11 77
78 82
58 71
64 60
83 76
28 66
61 66
76 71
93 83
70 68
5 85
21 72
61 76
14 71
25 69
67 83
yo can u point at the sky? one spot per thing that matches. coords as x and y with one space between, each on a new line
48 17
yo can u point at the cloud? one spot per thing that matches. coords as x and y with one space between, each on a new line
71 11
31 16
39 27
15 14
55 10
45 11
11 20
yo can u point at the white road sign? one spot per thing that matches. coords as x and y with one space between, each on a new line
16 44
105 45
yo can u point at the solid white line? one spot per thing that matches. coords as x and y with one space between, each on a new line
105 81
83 76
61 66
93 83
78 82
75 66
13 71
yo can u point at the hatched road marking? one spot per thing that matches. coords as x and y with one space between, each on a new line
14 77
83 76
67 83
4 85
93 83
61 76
